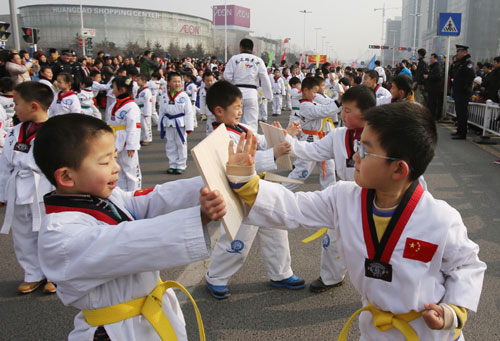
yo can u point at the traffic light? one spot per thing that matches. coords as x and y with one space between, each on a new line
4 35
30 35
373 46
384 47
80 41
89 46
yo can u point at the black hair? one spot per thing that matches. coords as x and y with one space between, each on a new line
345 81
377 62
222 94
404 61
66 77
87 81
356 79
434 55
422 52
64 141
6 84
362 95
405 131
123 82
143 77
45 67
309 83
40 93
403 82
246 44
173 74
147 52
207 73
107 72
320 80
497 59
94 73
52 50
372 74
294 80
132 72
156 75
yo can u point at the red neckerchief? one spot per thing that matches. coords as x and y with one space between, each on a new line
120 103
238 129
376 88
187 84
382 251
140 90
304 100
350 136
6 95
87 90
61 96
276 79
28 132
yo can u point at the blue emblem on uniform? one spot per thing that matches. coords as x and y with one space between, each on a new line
122 114
182 100
142 94
236 246
67 101
304 174
326 242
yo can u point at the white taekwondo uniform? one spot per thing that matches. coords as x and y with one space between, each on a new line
154 86
428 257
98 261
22 186
245 70
49 83
278 87
7 102
144 101
383 95
295 97
176 117
262 105
205 111
3 130
125 120
67 103
86 97
287 99
228 257
191 90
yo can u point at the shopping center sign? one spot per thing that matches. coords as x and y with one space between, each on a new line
236 15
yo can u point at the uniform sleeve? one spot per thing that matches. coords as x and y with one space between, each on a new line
229 71
265 81
203 103
75 106
133 119
189 115
320 150
463 270
319 111
384 98
148 103
6 169
100 87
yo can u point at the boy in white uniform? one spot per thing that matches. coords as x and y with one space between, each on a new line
7 99
125 120
22 184
208 81
287 105
407 253
3 133
191 90
224 100
66 101
104 247
278 87
383 95
154 85
86 97
295 97
144 100
176 122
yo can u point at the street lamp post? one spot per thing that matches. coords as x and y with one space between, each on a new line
323 44
393 44
415 27
305 13
317 29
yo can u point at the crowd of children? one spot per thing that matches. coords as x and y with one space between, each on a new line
68 171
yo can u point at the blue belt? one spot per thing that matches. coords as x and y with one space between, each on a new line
172 117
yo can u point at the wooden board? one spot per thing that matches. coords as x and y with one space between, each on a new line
274 136
210 156
281 179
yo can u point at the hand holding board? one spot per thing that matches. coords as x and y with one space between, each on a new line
274 136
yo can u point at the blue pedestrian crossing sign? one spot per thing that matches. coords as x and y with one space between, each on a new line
449 24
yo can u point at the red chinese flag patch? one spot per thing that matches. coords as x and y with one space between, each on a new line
419 250
138 125
143 191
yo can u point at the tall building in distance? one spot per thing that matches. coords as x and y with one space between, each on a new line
393 40
480 26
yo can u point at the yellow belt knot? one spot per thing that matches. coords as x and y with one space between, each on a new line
385 320
116 128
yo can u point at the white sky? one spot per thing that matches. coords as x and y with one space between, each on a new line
348 25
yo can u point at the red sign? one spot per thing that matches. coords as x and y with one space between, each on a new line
312 58
190 29
236 16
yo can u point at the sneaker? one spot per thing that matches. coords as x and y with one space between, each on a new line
49 288
293 282
318 285
179 171
171 171
497 162
145 143
220 292
27 287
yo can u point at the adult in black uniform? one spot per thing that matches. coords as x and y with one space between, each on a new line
463 76
434 87
62 64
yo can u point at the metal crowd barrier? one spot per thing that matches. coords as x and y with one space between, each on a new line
484 116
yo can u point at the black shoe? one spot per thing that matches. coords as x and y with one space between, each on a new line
318 285
178 171
275 115
171 171
454 134
458 137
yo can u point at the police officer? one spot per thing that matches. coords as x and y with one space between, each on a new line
62 64
463 76
245 70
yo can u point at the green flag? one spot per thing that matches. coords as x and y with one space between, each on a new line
271 58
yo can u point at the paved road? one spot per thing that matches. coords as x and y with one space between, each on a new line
462 173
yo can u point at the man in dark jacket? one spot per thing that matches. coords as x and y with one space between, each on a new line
433 85
491 81
463 76
147 64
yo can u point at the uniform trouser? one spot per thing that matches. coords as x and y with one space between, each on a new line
26 242
209 128
263 110
303 170
175 149
227 258
154 115
277 101
110 101
250 113
129 178
287 101
461 103
433 99
332 269
146 131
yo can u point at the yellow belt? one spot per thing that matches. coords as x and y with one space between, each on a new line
385 320
116 128
148 306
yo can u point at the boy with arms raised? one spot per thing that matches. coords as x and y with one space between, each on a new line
104 246
407 254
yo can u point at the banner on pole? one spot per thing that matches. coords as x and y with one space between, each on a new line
271 59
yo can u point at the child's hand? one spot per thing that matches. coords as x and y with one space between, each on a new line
213 206
277 125
294 129
433 316
282 149
244 155
130 153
